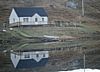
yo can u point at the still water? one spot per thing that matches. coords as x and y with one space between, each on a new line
45 57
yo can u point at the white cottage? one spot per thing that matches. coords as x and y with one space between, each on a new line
28 16
29 59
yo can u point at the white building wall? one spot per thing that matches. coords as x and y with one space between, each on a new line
15 59
39 18
26 23
33 55
45 20
31 20
13 16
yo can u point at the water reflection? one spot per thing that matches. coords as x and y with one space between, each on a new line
53 56
29 59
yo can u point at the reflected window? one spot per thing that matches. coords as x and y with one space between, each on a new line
27 56
15 55
43 55
37 55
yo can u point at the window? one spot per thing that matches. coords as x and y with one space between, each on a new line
43 55
42 19
37 55
36 19
13 19
27 56
15 56
25 19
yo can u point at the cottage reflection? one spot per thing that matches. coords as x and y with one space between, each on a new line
29 59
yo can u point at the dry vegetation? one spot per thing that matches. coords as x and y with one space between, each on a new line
57 12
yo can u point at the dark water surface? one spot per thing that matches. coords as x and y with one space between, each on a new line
62 56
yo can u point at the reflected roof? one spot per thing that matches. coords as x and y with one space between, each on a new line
30 63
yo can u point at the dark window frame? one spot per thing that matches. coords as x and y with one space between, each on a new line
26 19
44 55
37 55
42 19
36 19
27 56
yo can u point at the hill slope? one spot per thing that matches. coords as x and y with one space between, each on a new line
55 8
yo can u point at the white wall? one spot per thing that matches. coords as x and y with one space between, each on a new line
39 19
32 20
33 55
13 15
26 23
15 59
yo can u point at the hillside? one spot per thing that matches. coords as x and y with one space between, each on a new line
56 9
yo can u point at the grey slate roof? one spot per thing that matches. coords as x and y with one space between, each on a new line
29 12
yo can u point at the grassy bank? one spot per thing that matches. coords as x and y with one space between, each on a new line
53 31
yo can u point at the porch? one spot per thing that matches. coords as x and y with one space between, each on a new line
27 23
